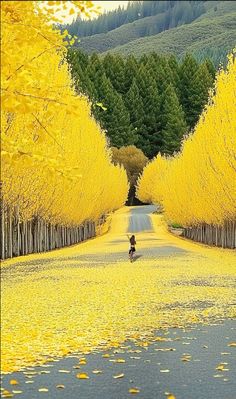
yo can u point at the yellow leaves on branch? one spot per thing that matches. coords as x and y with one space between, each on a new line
56 164
198 184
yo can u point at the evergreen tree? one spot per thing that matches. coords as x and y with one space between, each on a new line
174 67
113 115
202 81
129 96
131 71
150 140
187 71
172 120
210 67
134 104
114 69
85 85
94 66
162 75
171 14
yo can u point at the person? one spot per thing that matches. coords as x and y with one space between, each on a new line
132 246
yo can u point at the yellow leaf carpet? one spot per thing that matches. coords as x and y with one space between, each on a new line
90 296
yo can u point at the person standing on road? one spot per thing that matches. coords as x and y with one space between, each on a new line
132 249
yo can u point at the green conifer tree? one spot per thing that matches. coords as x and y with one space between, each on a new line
114 68
150 139
202 82
134 104
187 71
210 67
113 115
130 72
172 120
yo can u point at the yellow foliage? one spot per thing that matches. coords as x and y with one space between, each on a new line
108 300
56 164
198 185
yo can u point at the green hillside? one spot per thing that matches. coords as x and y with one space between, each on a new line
125 34
212 34
207 37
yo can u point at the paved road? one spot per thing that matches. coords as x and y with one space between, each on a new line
185 364
139 219
154 370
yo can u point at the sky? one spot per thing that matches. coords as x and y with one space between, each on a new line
110 5
105 6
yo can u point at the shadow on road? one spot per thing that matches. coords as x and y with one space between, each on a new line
136 257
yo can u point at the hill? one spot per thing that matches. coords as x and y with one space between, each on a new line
213 34
212 38
172 13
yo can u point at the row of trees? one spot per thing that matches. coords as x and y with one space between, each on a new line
151 102
170 14
56 165
197 186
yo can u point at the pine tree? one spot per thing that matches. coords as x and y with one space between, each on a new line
134 104
202 81
113 115
94 66
173 122
130 72
150 139
114 68
187 71
85 85
174 67
210 67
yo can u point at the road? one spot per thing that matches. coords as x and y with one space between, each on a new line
165 323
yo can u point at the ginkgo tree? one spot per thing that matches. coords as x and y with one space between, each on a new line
197 185
56 162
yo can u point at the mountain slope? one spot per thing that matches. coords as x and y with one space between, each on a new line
213 33
207 37
124 34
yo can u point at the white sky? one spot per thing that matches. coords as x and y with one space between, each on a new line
105 6
110 5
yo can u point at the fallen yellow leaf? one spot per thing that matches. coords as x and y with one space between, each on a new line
118 376
220 367
82 376
64 371
7 394
119 360
134 390
81 362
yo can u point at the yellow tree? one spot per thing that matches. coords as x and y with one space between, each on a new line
199 183
56 163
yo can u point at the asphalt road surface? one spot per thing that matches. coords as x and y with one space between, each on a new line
196 363
154 370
